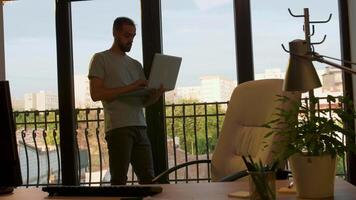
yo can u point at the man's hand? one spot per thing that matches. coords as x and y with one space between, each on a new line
157 93
138 84
99 92
154 95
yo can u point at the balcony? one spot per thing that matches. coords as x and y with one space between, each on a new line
192 130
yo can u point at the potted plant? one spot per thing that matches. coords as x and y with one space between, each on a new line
312 140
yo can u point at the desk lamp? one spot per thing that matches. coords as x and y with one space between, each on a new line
301 75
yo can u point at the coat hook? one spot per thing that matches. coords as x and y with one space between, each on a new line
290 12
284 48
313 31
313 43
321 22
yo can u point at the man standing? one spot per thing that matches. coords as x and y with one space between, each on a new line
111 74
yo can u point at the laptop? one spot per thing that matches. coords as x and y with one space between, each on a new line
164 71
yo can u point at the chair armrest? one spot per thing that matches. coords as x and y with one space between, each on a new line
168 171
280 175
234 177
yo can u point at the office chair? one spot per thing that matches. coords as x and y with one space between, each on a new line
252 104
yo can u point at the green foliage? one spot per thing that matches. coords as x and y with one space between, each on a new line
260 175
314 133
340 166
195 124
41 121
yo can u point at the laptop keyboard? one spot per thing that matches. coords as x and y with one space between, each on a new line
120 191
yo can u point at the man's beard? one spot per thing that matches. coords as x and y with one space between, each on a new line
125 47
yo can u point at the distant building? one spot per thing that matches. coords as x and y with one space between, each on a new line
270 74
40 101
29 101
46 101
211 89
186 93
332 80
82 93
215 88
17 104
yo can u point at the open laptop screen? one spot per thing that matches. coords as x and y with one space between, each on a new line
164 71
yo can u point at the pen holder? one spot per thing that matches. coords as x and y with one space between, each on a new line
262 185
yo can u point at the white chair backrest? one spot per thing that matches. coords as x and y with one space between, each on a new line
251 105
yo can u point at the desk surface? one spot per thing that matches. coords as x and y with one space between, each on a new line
343 191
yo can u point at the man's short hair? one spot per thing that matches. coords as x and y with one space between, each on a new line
120 21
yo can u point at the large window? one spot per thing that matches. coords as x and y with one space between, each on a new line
272 26
202 32
30 50
31 68
92 32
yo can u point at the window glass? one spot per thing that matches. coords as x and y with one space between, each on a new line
30 46
202 32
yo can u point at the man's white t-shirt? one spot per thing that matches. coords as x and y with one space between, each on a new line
118 71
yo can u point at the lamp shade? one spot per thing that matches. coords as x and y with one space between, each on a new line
301 74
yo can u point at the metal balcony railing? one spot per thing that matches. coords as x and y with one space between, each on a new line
192 132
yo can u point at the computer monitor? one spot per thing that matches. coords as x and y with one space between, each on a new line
10 172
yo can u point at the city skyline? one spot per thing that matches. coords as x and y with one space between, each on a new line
212 88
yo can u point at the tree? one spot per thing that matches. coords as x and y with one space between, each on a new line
197 125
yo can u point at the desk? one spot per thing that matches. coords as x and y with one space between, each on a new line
216 191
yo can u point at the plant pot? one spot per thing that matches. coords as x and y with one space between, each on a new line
313 176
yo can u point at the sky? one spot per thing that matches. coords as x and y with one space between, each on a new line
200 31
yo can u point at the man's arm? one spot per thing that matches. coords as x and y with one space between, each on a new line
99 92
